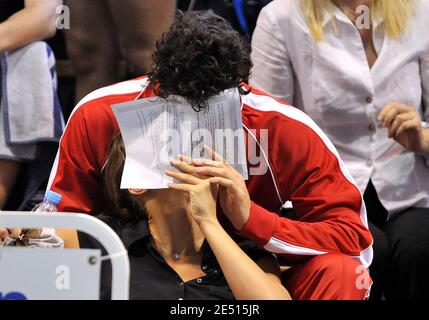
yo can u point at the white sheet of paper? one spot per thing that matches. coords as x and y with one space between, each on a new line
156 130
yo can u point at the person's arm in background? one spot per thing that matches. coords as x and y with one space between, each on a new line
248 280
272 70
35 22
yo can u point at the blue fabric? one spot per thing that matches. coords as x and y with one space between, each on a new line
241 16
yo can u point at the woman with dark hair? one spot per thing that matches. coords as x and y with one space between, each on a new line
176 244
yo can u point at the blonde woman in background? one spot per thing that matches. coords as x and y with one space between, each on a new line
360 69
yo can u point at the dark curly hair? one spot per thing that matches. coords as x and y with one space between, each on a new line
199 57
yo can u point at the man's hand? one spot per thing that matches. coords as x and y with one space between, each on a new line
201 194
233 194
404 125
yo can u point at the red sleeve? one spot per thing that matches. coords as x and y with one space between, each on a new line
84 147
331 216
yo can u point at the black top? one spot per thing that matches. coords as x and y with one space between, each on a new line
153 279
9 8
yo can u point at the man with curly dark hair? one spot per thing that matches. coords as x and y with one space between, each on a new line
325 241
212 58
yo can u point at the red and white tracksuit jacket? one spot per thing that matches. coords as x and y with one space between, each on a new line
304 168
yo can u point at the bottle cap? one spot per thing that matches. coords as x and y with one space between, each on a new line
53 197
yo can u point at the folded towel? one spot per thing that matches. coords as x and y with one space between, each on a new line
30 104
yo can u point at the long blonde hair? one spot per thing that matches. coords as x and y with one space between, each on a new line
396 15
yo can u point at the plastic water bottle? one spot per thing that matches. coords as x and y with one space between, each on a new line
40 238
49 204
47 238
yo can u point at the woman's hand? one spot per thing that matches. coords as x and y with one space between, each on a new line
405 126
201 194
233 194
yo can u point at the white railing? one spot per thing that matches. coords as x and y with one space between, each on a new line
83 223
